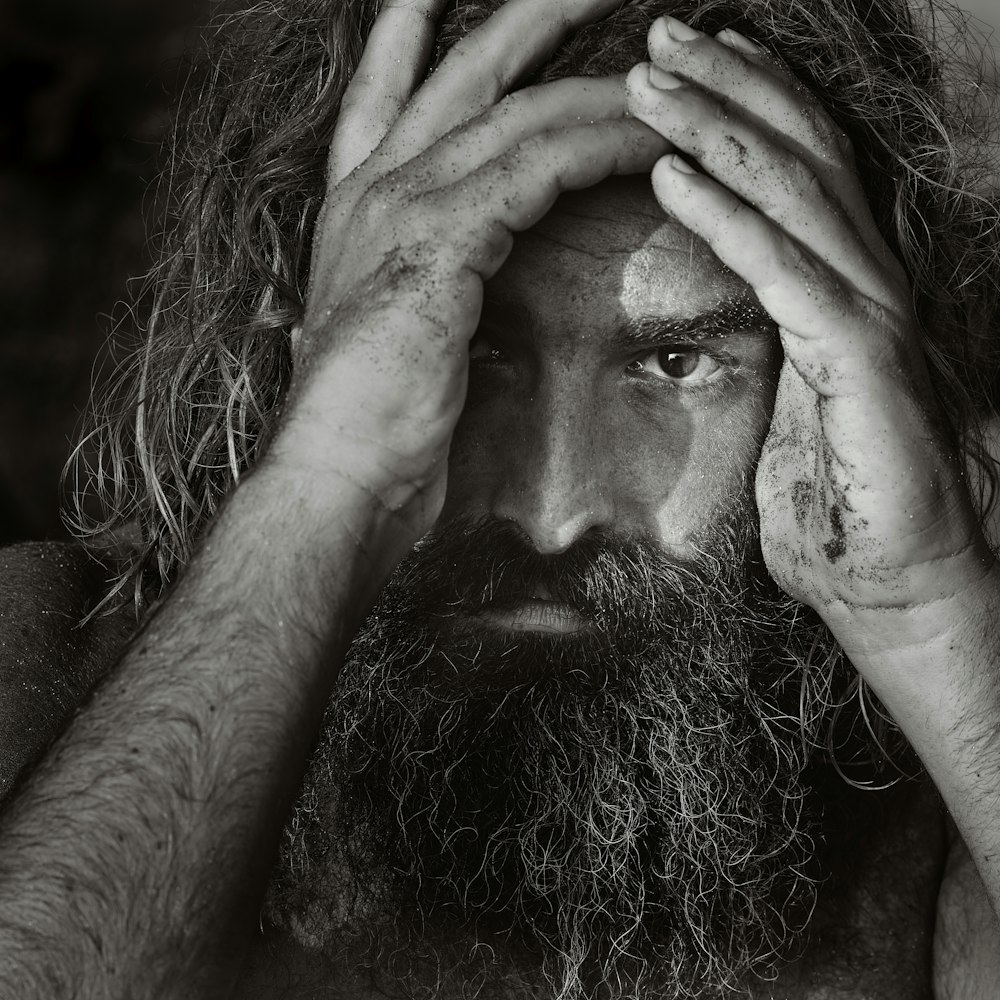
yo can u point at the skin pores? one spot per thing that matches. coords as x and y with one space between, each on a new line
597 398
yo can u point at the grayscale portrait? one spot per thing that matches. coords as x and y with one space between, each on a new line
539 539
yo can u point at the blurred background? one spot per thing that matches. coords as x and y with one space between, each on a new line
87 90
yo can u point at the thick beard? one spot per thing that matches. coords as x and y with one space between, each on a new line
623 810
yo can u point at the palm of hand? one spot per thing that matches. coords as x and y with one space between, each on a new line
428 180
862 503
861 496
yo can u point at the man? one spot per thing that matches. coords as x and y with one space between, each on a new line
659 457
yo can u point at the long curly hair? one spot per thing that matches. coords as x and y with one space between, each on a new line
192 406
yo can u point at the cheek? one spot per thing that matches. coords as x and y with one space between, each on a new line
639 461
725 441
592 451
476 455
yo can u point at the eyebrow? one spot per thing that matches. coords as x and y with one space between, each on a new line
742 316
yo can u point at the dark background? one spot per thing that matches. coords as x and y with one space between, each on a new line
87 86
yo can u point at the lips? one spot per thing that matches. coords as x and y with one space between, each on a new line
538 613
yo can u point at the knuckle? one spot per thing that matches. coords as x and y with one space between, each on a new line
831 140
787 264
464 48
533 147
383 203
721 109
469 49
520 103
805 181
845 145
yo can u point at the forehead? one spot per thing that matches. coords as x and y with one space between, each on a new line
612 250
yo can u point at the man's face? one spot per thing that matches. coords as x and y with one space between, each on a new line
622 380
572 722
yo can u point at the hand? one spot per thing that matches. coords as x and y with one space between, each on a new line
862 501
427 183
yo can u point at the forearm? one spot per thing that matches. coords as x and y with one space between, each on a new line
137 853
936 668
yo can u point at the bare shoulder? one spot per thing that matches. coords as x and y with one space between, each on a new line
49 660
966 934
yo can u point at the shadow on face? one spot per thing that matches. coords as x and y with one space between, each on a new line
621 379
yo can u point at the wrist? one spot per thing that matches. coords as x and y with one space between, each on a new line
313 546
933 662
387 470
918 606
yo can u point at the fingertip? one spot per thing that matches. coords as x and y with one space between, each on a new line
658 38
677 30
681 189
645 87
673 168
641 97
637 78
734 40
670 42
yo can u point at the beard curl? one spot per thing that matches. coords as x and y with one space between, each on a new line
622 810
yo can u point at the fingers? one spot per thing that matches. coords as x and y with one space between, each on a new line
517 188
774 97
543 109
779 183
484 65
527 112
826 323
751 85
748 76
394 61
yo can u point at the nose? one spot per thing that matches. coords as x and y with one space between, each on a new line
558 473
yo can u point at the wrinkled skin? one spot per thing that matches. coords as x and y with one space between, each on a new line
200 737
859 487
865 515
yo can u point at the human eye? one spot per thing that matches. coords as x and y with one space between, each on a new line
483 350
687 364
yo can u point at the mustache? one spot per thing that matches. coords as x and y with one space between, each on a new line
626 795
468 565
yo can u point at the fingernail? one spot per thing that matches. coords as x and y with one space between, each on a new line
680 165
663 80
739 42
680 31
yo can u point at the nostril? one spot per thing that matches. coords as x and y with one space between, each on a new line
553 489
